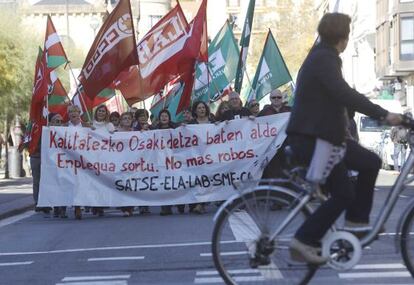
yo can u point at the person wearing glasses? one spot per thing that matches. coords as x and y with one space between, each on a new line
254 107
56 120
75 121
317 135
277 104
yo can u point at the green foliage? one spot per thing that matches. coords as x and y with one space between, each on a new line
294 28
17 61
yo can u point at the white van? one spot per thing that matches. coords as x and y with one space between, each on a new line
375 136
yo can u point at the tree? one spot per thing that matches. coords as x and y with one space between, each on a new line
294 28
16 72
16 67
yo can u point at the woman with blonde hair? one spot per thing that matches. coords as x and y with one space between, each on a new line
101 123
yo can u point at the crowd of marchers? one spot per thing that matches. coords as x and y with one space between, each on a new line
141 120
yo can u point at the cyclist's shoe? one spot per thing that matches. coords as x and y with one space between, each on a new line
301 252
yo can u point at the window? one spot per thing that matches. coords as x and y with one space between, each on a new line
407 38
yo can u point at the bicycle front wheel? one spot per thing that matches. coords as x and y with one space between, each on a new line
407 242
242 248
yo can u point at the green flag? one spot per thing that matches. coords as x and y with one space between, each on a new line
271 71
170 102
244 43
222 64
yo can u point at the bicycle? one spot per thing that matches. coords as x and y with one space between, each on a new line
253 229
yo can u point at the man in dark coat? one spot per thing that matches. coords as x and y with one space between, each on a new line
237 110
277 104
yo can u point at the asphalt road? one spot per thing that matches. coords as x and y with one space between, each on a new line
39 249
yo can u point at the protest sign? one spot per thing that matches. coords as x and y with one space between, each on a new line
190 164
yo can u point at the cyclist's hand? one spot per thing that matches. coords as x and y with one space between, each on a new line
394 119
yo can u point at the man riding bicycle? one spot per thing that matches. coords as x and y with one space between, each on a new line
317 134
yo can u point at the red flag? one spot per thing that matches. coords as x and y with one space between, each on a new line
40 89
160 53
167 51
35 135
58 100
56 55
198 43
112 51
40 85
52 57
128 82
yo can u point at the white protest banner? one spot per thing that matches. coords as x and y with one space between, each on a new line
190 164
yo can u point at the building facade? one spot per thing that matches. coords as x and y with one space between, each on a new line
359 57
395 48
76 21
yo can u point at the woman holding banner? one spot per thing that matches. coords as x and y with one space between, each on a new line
201 115
74 114
125 125
56 120
164 122
101 123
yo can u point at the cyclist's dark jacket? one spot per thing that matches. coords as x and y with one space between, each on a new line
322 95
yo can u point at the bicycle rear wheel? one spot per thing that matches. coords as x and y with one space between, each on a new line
241 248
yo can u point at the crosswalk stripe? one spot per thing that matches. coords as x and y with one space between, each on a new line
101 277
111 282
380 266
374 274
116 258
234 271
206 280
16 263
225 253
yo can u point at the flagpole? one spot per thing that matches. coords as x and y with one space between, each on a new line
80 94
47 107
164 99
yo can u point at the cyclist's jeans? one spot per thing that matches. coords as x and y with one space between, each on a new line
355 198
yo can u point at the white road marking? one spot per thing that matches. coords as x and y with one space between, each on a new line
225 253
16 263
208 280
14 219
98 277
380 266
116 258
374 275
112 248
235 271
111 282
219 280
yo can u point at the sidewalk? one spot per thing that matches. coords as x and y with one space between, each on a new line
15 195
